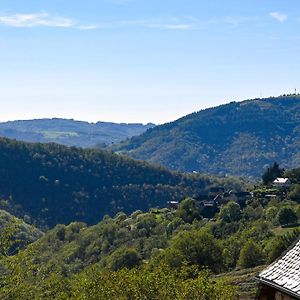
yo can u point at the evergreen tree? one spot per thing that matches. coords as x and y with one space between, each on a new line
272 173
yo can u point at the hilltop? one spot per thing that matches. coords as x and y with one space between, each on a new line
70 132
239 138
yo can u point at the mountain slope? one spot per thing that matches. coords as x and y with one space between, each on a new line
15 234
55 184
70 132
236 138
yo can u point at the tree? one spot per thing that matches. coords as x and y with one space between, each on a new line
188 210
279 244
286 216
272 173
230 212
124 258
271 213
170 257
199 248
251 255
294 193
161 282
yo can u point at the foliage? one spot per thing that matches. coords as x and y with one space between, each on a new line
279 244
159 254
286 215
251 255
230 212
271 213
53 184
160 283
272 173
159 243
124 258
239 138
294 193
15 234
198 248
94 283
188 210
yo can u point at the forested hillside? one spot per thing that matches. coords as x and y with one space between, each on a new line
239 138
15 234
167 253
70 132
160 254
54 184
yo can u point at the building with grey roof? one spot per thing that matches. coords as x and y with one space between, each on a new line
281 280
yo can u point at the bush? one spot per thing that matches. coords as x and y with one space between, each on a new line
124 258
230 212
188 210
251 255
199 248
286 216
271 214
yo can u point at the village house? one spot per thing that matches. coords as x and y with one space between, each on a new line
240 197
282 182
215 191
173 205
208 208
281 280
217 197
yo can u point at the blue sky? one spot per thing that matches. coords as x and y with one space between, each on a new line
143 60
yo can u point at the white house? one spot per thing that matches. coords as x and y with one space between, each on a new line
282 182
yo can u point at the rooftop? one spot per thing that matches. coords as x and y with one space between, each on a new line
281 180
284 274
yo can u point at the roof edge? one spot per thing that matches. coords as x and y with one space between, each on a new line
278 287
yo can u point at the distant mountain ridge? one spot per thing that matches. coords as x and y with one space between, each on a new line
239 138
70 132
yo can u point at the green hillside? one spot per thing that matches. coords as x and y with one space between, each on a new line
70 132
54 184
154 255
15 234
239 138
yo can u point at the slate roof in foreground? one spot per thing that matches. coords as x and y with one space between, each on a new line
284 274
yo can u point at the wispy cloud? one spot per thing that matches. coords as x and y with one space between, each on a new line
34 20
42 19
280 17
178 26
87 27
159 23
186 23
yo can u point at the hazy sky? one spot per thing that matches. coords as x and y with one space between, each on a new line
143 60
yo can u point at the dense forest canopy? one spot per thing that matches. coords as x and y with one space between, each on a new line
239 138
54 184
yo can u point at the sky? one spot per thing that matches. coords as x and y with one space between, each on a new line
143 60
